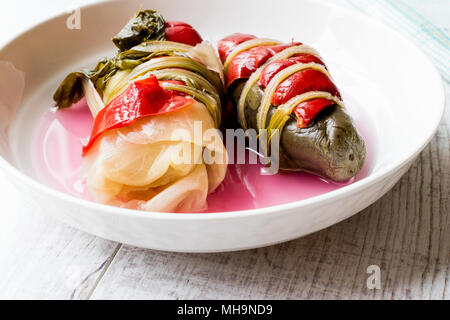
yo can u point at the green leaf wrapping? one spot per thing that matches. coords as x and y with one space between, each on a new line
147 40
146 25
147 50
70 91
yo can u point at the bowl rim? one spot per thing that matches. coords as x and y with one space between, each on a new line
195 216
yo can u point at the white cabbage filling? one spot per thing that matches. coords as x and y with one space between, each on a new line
159 163
139 166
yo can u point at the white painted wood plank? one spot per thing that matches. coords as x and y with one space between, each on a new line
40 258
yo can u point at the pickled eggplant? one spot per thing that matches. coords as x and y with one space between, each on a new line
288 87
331 147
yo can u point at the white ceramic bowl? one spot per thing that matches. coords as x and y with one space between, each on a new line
384 76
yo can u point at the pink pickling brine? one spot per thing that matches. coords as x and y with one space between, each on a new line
61 134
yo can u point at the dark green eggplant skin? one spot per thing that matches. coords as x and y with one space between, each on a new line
331 147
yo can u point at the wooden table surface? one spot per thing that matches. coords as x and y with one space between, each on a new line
406 233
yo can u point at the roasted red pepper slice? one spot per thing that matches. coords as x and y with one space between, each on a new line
308 110
141 99
182 32
174 23
307 80
274 67
301 82
245 63
226 45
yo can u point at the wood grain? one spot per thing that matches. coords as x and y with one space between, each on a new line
40 258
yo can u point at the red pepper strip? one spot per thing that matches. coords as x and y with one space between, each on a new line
301 82
141 99
274 67
227 45
182 32
171 24
245 63
308 110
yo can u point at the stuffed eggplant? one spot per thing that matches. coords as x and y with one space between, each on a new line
287 88
162 80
